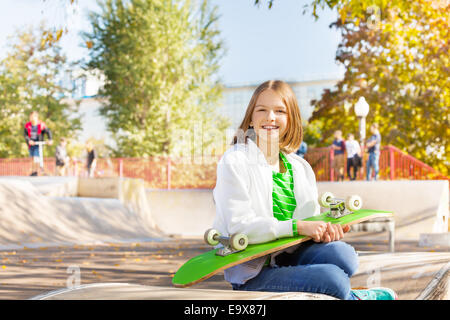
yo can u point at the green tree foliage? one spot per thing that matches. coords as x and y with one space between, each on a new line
396 56
159 59
29 80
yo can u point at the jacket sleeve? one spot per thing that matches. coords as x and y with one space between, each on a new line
48 132
234 205
25 134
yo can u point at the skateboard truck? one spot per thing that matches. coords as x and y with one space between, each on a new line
340 207
237 242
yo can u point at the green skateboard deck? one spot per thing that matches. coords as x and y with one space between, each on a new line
208 264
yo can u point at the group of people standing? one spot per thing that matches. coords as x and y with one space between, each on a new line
34 134
352 149
354 154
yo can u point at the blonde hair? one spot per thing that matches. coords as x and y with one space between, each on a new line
291 140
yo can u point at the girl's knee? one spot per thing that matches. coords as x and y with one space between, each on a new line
345 257
337 281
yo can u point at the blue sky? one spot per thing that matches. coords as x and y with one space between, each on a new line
277 43
261 44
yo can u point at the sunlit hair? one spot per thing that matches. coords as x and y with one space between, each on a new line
291 140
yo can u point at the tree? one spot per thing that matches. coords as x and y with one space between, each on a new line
396 56
29 80
159 59
399 62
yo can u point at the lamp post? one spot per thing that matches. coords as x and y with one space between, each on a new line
361 111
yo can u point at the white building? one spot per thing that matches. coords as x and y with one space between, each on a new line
86 86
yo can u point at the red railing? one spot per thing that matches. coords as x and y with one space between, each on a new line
188 173
404 166
394 165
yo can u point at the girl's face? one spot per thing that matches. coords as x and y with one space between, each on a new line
270 116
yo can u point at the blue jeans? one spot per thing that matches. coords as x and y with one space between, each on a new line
314 267
373 161
34 151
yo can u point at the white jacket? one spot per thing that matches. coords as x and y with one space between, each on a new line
243 198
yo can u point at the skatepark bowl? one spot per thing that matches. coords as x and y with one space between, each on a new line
111 238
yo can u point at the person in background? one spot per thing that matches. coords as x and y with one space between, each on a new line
338 146
302 150
62 160
353 155
91 161
373 146
33 133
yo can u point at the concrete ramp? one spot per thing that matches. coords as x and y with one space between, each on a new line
30 219
130 192
188 213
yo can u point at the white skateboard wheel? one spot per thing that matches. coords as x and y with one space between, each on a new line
211 236
239 241
325 199
353 202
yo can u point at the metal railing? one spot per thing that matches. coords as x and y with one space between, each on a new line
394 164
188 173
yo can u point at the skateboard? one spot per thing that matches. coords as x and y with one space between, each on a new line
236 250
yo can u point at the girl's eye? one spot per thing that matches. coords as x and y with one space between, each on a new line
278 111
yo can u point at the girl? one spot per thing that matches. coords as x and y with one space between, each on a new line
264 190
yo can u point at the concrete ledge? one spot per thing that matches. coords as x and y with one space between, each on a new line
125 291
49 186
99 187
435 239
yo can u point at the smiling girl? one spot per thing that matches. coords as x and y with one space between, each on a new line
265 190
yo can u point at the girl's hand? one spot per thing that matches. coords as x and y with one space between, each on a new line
334 232
313 229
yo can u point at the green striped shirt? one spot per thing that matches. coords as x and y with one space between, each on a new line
284 202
